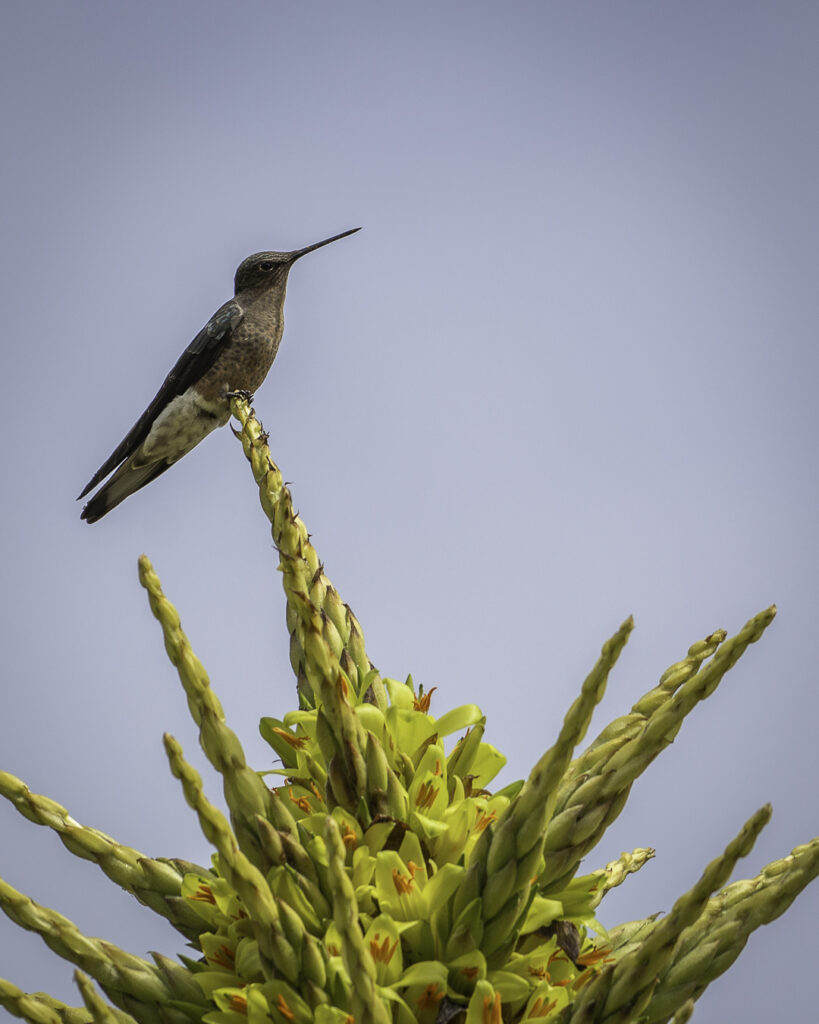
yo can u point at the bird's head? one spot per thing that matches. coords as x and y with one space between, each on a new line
264 270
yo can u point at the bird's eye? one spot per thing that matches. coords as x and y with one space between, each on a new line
267 265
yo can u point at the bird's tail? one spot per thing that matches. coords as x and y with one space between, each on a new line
127 479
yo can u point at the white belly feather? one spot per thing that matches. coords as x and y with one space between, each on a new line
181 425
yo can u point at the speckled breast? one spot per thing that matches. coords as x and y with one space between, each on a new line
246 360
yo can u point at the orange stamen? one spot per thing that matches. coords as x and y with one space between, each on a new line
283 1008
383 952
301 802
422 703
492 1009
430 997
594 956
204 894
297 742
426 795
402 884
224 957
485 819
540 1009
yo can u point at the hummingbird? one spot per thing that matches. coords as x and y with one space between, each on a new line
230 356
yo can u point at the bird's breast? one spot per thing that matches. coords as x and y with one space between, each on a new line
246 359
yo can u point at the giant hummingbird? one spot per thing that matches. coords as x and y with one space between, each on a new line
231 354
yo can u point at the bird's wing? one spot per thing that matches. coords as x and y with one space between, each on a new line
194 362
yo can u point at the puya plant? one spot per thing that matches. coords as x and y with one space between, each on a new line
375 877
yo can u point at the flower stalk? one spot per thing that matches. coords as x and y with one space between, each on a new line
372 875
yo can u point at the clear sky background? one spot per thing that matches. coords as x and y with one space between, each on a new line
565 373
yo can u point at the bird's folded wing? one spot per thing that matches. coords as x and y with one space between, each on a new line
194 362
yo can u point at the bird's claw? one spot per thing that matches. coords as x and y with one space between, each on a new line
246 396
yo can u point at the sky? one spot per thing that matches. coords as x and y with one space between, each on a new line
566 373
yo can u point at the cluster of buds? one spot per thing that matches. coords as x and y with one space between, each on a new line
374 876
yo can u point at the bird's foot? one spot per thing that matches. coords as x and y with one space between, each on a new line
246 396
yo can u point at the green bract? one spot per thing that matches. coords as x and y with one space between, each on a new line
373 876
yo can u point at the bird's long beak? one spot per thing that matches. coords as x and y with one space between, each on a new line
298 253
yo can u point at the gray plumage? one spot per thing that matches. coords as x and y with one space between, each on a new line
233 352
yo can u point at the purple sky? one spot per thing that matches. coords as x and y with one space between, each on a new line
565 373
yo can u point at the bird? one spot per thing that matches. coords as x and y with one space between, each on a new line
230 356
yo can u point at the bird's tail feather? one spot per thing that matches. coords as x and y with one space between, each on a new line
127 479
